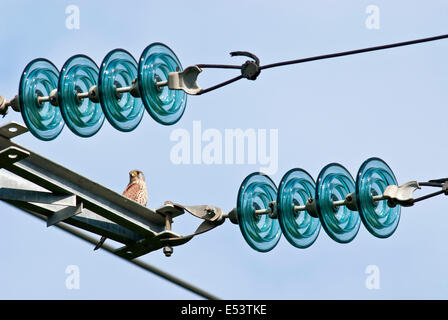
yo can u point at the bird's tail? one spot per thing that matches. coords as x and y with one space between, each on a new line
99 244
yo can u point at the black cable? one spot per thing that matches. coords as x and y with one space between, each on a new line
297 61
430 184
222 84
346 53
428 196
443 180
218 66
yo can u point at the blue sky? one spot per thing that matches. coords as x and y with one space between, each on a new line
389 104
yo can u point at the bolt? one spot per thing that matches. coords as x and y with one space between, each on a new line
210 211
168 251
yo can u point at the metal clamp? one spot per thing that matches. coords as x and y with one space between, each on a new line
185 80
251 68
402 195
204 212
213 217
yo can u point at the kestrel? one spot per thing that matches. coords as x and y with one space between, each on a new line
136 190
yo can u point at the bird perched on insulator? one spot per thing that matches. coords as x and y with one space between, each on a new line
136 190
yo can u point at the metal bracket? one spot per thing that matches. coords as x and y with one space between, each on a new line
212 216
205 212
402 195
12 155
12 130
13 194
64 214
144 246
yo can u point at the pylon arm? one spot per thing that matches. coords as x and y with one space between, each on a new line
40 186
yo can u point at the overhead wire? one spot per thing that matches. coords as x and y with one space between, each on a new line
140 263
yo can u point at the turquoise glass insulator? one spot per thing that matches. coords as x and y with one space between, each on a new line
372 179
299 227
256 192
166 106
123 111
84 117
334 184
44 120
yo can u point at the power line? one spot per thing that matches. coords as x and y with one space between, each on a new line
346 53
136 262
251 69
